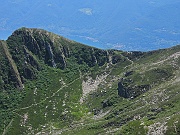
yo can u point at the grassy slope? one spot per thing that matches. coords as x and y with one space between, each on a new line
51 103
10 96
160 105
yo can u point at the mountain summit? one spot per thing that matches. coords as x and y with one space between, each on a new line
52 85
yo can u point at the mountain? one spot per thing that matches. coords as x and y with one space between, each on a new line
53 85
126 25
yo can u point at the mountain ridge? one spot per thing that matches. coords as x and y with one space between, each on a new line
71 88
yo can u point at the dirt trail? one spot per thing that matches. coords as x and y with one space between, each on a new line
64 85
174 56
5 130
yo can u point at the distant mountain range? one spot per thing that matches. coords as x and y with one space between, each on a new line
52 85
127 25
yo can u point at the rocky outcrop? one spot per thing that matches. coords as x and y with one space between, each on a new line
117 59
14 75
122 91
90 56
126 90
50 55
54 50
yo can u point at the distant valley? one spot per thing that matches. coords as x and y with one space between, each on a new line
141 25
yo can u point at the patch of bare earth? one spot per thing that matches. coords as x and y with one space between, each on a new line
157 129
92 85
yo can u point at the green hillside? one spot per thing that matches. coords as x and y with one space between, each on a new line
52 85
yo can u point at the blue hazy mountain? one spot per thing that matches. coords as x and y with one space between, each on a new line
119 24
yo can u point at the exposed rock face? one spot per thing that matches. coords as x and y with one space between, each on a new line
117 58
13 76
30 48
39 43
122 91
127 91
29 58
90 56
50 55
52 49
